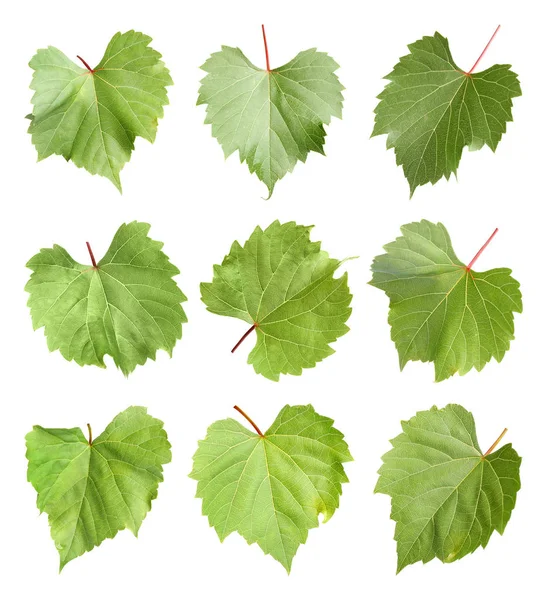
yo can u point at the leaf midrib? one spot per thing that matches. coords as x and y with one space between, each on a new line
304 232
99 124
262 441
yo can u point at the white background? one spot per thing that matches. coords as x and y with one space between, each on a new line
198 204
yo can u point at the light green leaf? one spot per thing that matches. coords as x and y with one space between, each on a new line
283 285
271 487
447 496
272 117
127 306
92 490
432 109
92 117
440 310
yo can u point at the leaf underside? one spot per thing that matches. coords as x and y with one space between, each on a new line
439 311
271 489
128 307
273 119
284 284
431 110
447 498
90 492
93 117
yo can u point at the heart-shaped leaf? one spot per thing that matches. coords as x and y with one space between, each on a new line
92 116
283 285
272 117
126 305
271 487
447 496
440 310
432 109
91 489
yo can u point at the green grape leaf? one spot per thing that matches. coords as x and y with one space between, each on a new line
432 109
273 117
92 116
447 497
126 305
283 285
271 487
91 489
441 310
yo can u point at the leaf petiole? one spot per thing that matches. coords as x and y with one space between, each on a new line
493 446
85 64
483 248
484 51
90 438
91 255
248 332
250 420
266 50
